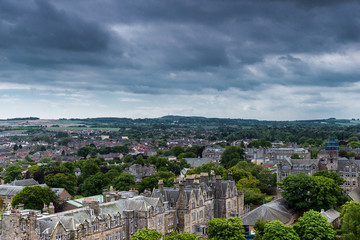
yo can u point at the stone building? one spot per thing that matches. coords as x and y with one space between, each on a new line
198 199
329 160
186 207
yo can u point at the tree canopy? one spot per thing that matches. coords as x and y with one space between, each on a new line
276 230
314 226
34 197
350 221
303 192
13 172
230 229
147 234
231 156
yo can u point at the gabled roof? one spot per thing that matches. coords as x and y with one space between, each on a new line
24 182
331 215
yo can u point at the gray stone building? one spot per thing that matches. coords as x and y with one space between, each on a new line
329 160
186 207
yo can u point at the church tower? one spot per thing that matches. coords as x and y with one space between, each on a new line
332 155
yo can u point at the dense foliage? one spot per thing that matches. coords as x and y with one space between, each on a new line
303 192
314 226
221 228
276 230
34 197
350 221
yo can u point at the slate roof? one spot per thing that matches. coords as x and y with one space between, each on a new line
274 210
331 215
196 162
70 219
355 195
24 182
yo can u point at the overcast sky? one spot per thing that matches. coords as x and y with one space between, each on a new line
262 59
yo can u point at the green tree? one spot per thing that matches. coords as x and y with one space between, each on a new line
181 236
351 154
303 192
94 184
350 221
13 172
296 191
332 175
151 182
128 158
32 170
62 180
124 181
249 182
89 168
324 192
177 150
85 151
67 167
259 228
218 169
147 234
253 196
276 230
295 156
230 229
314 226
34 197
231 156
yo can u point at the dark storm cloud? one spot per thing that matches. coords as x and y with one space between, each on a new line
159 46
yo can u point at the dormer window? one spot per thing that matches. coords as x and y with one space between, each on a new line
96 227
117 221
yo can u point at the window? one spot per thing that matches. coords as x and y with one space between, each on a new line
96 227
159 221
354 183
117 221
347 183
193 205
347 172
117 235
8 197
108 223
108 237
23 226
58 236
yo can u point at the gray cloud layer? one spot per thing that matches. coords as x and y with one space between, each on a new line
148 46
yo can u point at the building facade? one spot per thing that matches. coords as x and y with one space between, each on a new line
348 169
186 207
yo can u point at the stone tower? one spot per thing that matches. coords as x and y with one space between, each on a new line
332 155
